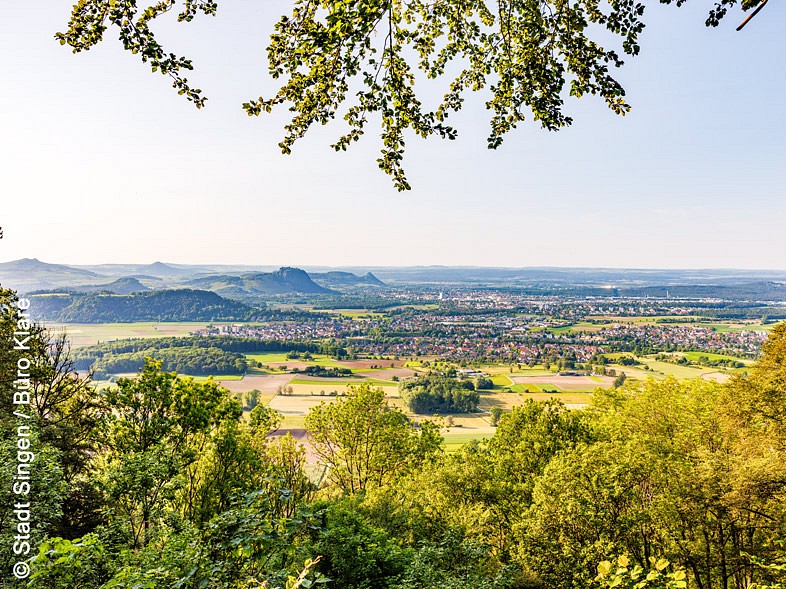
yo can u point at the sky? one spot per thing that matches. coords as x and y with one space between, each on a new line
102 162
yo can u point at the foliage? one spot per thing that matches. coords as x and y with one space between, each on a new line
434 393
326 372
253 541
366 443
496 414
360 60
484 383
356 554
163 305
453 562
43 499
65 564
589 502
191 361
49 436
151 421
624 576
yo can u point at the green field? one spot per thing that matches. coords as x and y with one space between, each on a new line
737 327
217 377
354 313
662 369
281 357
293 422
532 372
456 438
88 334
695 357
524 388
261 371
501 380
719 326
579 326
266 357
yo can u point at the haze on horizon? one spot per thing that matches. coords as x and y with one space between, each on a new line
106 164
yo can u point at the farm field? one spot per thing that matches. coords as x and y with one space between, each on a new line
316 380
531 372
501 380
455 438
264 383
316 388
268 357
297 405
659 369
579 326
518 396
697 356
218 377
279 359
88 334
565 383
386 372
719 326
676 370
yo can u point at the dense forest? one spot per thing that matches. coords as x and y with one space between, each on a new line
161 305
437 393
160 482
193 361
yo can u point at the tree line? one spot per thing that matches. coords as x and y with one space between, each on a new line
194 361
194 355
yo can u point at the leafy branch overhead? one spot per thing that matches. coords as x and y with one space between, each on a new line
360 59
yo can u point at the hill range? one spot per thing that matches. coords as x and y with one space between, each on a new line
255 284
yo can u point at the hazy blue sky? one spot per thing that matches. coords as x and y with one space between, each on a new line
103 162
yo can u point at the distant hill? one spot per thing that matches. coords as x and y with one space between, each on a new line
568 277
32 274
161 270
338 279
126 285
283 281
754 291
163 305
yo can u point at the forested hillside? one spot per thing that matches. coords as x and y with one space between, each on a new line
160 482
282 281
163 305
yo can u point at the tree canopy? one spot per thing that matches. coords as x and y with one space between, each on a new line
360 60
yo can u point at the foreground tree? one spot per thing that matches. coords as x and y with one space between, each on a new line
365 443
672 474
152 422
48 418
358 60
